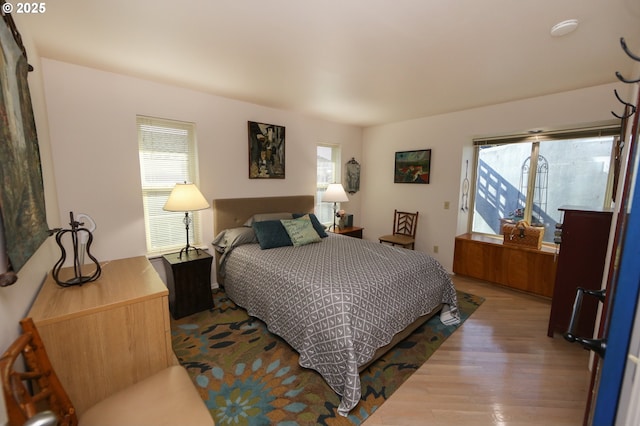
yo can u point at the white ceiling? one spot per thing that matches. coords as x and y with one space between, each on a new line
362 62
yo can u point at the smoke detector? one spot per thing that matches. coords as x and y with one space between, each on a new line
564 27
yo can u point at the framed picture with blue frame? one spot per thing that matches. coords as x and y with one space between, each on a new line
412 166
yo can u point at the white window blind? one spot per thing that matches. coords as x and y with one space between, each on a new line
167 152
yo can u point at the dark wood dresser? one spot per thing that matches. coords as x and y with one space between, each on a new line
583 250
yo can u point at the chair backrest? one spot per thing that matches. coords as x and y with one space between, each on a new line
36 387
405 223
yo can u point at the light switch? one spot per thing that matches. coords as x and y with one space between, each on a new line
446 205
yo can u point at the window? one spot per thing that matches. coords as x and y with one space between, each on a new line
167 156
530 177
328 171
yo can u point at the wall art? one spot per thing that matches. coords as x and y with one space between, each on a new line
352 181
266 151
412 166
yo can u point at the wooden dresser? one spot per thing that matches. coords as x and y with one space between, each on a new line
583 250
108 334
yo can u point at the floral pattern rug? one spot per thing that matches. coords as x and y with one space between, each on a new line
248 376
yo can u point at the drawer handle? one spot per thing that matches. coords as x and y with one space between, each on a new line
598 346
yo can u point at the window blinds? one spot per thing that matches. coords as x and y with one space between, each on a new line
167 156
583 133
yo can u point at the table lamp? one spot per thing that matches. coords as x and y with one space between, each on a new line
186 197
335 193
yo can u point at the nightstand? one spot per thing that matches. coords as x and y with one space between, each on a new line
189 282
350 231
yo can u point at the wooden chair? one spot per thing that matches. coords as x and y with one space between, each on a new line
405 225
166 398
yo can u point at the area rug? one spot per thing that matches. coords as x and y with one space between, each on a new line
248 376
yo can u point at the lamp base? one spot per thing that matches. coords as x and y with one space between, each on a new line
185 251
188 247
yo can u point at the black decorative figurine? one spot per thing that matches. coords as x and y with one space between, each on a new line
78 232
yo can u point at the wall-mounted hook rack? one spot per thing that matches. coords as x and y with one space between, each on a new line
629 109
632 56
627 51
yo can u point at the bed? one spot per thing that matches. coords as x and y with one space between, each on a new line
340 302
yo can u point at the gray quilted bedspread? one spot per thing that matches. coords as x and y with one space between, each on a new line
336 302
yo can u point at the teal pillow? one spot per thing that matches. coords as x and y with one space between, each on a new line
301 231
320 229
271 234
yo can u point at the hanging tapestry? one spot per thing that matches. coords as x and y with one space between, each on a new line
22 205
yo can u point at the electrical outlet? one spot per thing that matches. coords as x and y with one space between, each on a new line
435 249
446 205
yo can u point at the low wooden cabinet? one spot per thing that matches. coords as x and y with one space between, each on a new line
105 335
486 258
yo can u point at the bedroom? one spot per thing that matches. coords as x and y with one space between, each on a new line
93 167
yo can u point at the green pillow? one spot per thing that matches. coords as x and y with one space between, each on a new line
301 231
316 223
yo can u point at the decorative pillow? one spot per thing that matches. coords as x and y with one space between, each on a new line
301 231
234 237
320 229
271 234
261 217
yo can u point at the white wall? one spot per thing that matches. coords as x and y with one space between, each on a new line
95 149
450 138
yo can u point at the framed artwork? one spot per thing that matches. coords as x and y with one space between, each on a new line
266 151
22 206
352 182
412 166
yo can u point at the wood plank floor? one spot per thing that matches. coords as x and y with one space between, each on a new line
499 368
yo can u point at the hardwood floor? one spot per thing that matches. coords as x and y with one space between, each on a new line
499 368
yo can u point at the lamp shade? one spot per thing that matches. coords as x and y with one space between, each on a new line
185 197
335 194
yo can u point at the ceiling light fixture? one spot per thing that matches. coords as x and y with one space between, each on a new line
564 27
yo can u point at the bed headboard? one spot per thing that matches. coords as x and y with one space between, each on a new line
233 212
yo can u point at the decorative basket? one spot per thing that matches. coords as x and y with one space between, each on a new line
522 234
